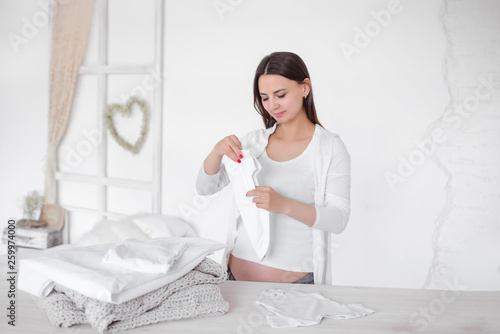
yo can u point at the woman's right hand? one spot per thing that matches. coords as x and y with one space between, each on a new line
229 146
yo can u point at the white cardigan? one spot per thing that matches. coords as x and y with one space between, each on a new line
332 177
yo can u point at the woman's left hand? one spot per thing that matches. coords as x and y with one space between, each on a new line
268 199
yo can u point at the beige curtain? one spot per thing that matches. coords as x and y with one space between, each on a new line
70 32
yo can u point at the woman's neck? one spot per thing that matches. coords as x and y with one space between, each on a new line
298 129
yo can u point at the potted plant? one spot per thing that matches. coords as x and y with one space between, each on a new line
31 206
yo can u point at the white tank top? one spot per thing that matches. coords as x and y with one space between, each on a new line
290 246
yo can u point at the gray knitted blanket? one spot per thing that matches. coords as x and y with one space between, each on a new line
193 295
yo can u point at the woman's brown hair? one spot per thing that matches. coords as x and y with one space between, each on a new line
290 66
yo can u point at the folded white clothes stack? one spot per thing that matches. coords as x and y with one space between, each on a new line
243 179
82 269
152 256
195 294
295 308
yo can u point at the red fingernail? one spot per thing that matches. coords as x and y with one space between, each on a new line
241 156
239 161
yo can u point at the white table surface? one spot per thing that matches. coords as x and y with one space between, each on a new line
398 311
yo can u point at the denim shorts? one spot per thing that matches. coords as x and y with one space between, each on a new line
308 279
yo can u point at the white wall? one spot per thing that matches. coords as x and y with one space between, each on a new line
466 238
380 103
24 75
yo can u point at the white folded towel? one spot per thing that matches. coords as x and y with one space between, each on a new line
153 256
243 178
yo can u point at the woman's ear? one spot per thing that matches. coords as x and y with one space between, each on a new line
306 86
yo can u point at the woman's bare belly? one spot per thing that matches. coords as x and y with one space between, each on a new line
244 270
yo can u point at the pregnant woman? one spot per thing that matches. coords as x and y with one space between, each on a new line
304 180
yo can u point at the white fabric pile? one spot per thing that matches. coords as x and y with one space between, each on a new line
82 269
296 308
120 286
193 295
155 256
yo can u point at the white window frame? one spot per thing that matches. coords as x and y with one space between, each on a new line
102 71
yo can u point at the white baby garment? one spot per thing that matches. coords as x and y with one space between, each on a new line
295 308
153 256
243 179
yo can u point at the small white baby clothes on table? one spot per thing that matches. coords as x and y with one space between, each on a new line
295 308
153 256
243 179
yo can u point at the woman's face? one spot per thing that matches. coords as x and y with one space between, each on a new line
282 97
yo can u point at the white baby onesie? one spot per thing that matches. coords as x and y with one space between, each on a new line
151 256
295 308
243 179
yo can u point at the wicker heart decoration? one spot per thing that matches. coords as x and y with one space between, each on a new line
126 110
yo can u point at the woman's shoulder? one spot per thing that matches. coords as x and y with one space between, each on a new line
326 135
330 141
